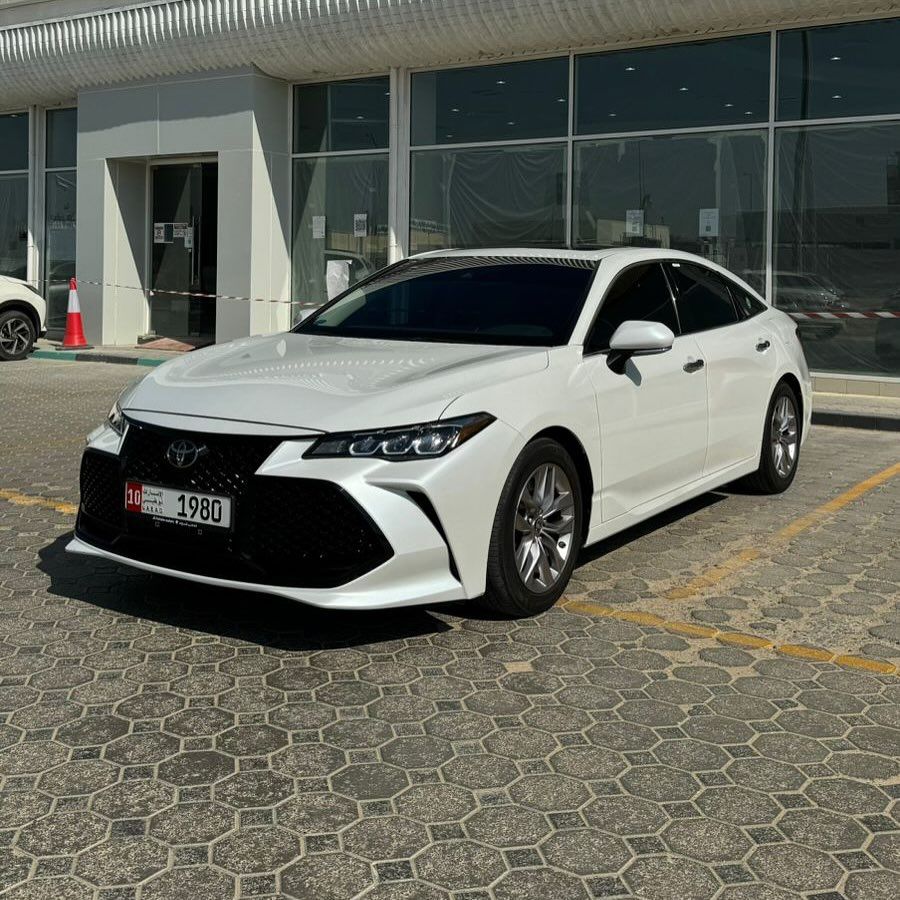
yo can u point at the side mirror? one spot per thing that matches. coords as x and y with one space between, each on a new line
633 338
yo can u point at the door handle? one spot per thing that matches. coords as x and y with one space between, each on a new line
763 345
693 365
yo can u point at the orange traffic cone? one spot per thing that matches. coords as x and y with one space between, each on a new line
74 338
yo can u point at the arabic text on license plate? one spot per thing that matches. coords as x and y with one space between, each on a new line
180 506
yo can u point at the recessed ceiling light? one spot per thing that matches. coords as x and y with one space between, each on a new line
682 90
729 105
560 99
360 117
510 123
500 81
835 59
629 68
837 97
454 109
613 115
749 112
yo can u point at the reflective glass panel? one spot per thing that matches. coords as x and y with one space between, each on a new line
62 138
342 115
13 225
720 82
340 224
522 100
837 242
702 297
701 193
13 142
59 244
488 197
840 70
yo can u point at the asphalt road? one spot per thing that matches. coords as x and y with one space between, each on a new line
711 712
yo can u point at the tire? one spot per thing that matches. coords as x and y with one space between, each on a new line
555 538
16 335
776 471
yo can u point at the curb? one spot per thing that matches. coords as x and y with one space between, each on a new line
75 356
869 422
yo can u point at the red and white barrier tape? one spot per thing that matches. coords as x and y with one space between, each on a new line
872 314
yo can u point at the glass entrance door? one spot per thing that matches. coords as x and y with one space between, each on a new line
183 259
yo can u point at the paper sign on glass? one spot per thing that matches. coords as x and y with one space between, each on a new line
318 227
634 222
360 224
709 223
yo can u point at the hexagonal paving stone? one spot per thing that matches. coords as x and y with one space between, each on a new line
886 849
765 775
822 830
738 805
401 708
35 756
199 721
192 823
691 756
61 833
133 799
873 886
196 767
19 808
92 731
417 752
317 813
551 793
520 743
150 705
250 699
791 748
49 889
586 851
718 730
587 762
256 788
796 868
326 876
459 865
459 725
866 766
142 749
706 840
347 693
507 826
876 739
480 771
356 734
296 678
262 849
665 878
13 868
385 837
198 883
79 777
526 884
660 783
370 781
121 861
406 890
496 703
847 796
622 736
251 740
436 802
308 760
625 815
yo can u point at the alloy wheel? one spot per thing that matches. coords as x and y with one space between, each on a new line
15 335
544 525
784 436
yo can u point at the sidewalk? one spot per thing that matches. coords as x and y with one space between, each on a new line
129 356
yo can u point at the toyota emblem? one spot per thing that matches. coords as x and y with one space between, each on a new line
183 453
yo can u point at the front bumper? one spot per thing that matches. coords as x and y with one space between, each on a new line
336 533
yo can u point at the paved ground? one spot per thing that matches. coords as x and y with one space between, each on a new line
162 740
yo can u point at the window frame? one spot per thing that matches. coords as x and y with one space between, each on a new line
725 281
585 352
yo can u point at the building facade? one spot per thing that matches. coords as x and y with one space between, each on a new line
209 168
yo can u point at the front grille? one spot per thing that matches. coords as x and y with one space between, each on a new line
294 532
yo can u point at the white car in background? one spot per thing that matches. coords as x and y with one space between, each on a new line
23 314
457 426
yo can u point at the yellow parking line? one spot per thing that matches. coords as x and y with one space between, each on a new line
732 638
20 499
742 558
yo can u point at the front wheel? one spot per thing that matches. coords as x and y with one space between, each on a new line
16 335
780 444
537 532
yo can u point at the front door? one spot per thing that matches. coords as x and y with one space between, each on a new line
183 257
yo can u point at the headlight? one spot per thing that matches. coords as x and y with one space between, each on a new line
413 442
116 419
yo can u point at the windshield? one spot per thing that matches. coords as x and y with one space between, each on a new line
464 300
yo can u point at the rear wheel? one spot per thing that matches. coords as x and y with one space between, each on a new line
16 335
780 444
537 532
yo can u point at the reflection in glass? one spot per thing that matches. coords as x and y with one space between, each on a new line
512 101
340 224
59 244
837 241
13 225
14 142
721 82
62 138
488 197
701 193
839 70
342 115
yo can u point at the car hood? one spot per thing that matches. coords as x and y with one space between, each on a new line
326 383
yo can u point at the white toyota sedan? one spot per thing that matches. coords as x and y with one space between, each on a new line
456 426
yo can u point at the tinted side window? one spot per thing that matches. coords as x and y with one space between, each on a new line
748 305
640 293
702 297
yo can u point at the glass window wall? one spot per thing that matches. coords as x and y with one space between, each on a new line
341 115
14 195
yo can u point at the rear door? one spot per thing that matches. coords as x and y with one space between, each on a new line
739 359
653 414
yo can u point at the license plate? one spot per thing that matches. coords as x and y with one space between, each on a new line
178 506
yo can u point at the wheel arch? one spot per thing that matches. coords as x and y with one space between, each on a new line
25 307
573 446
